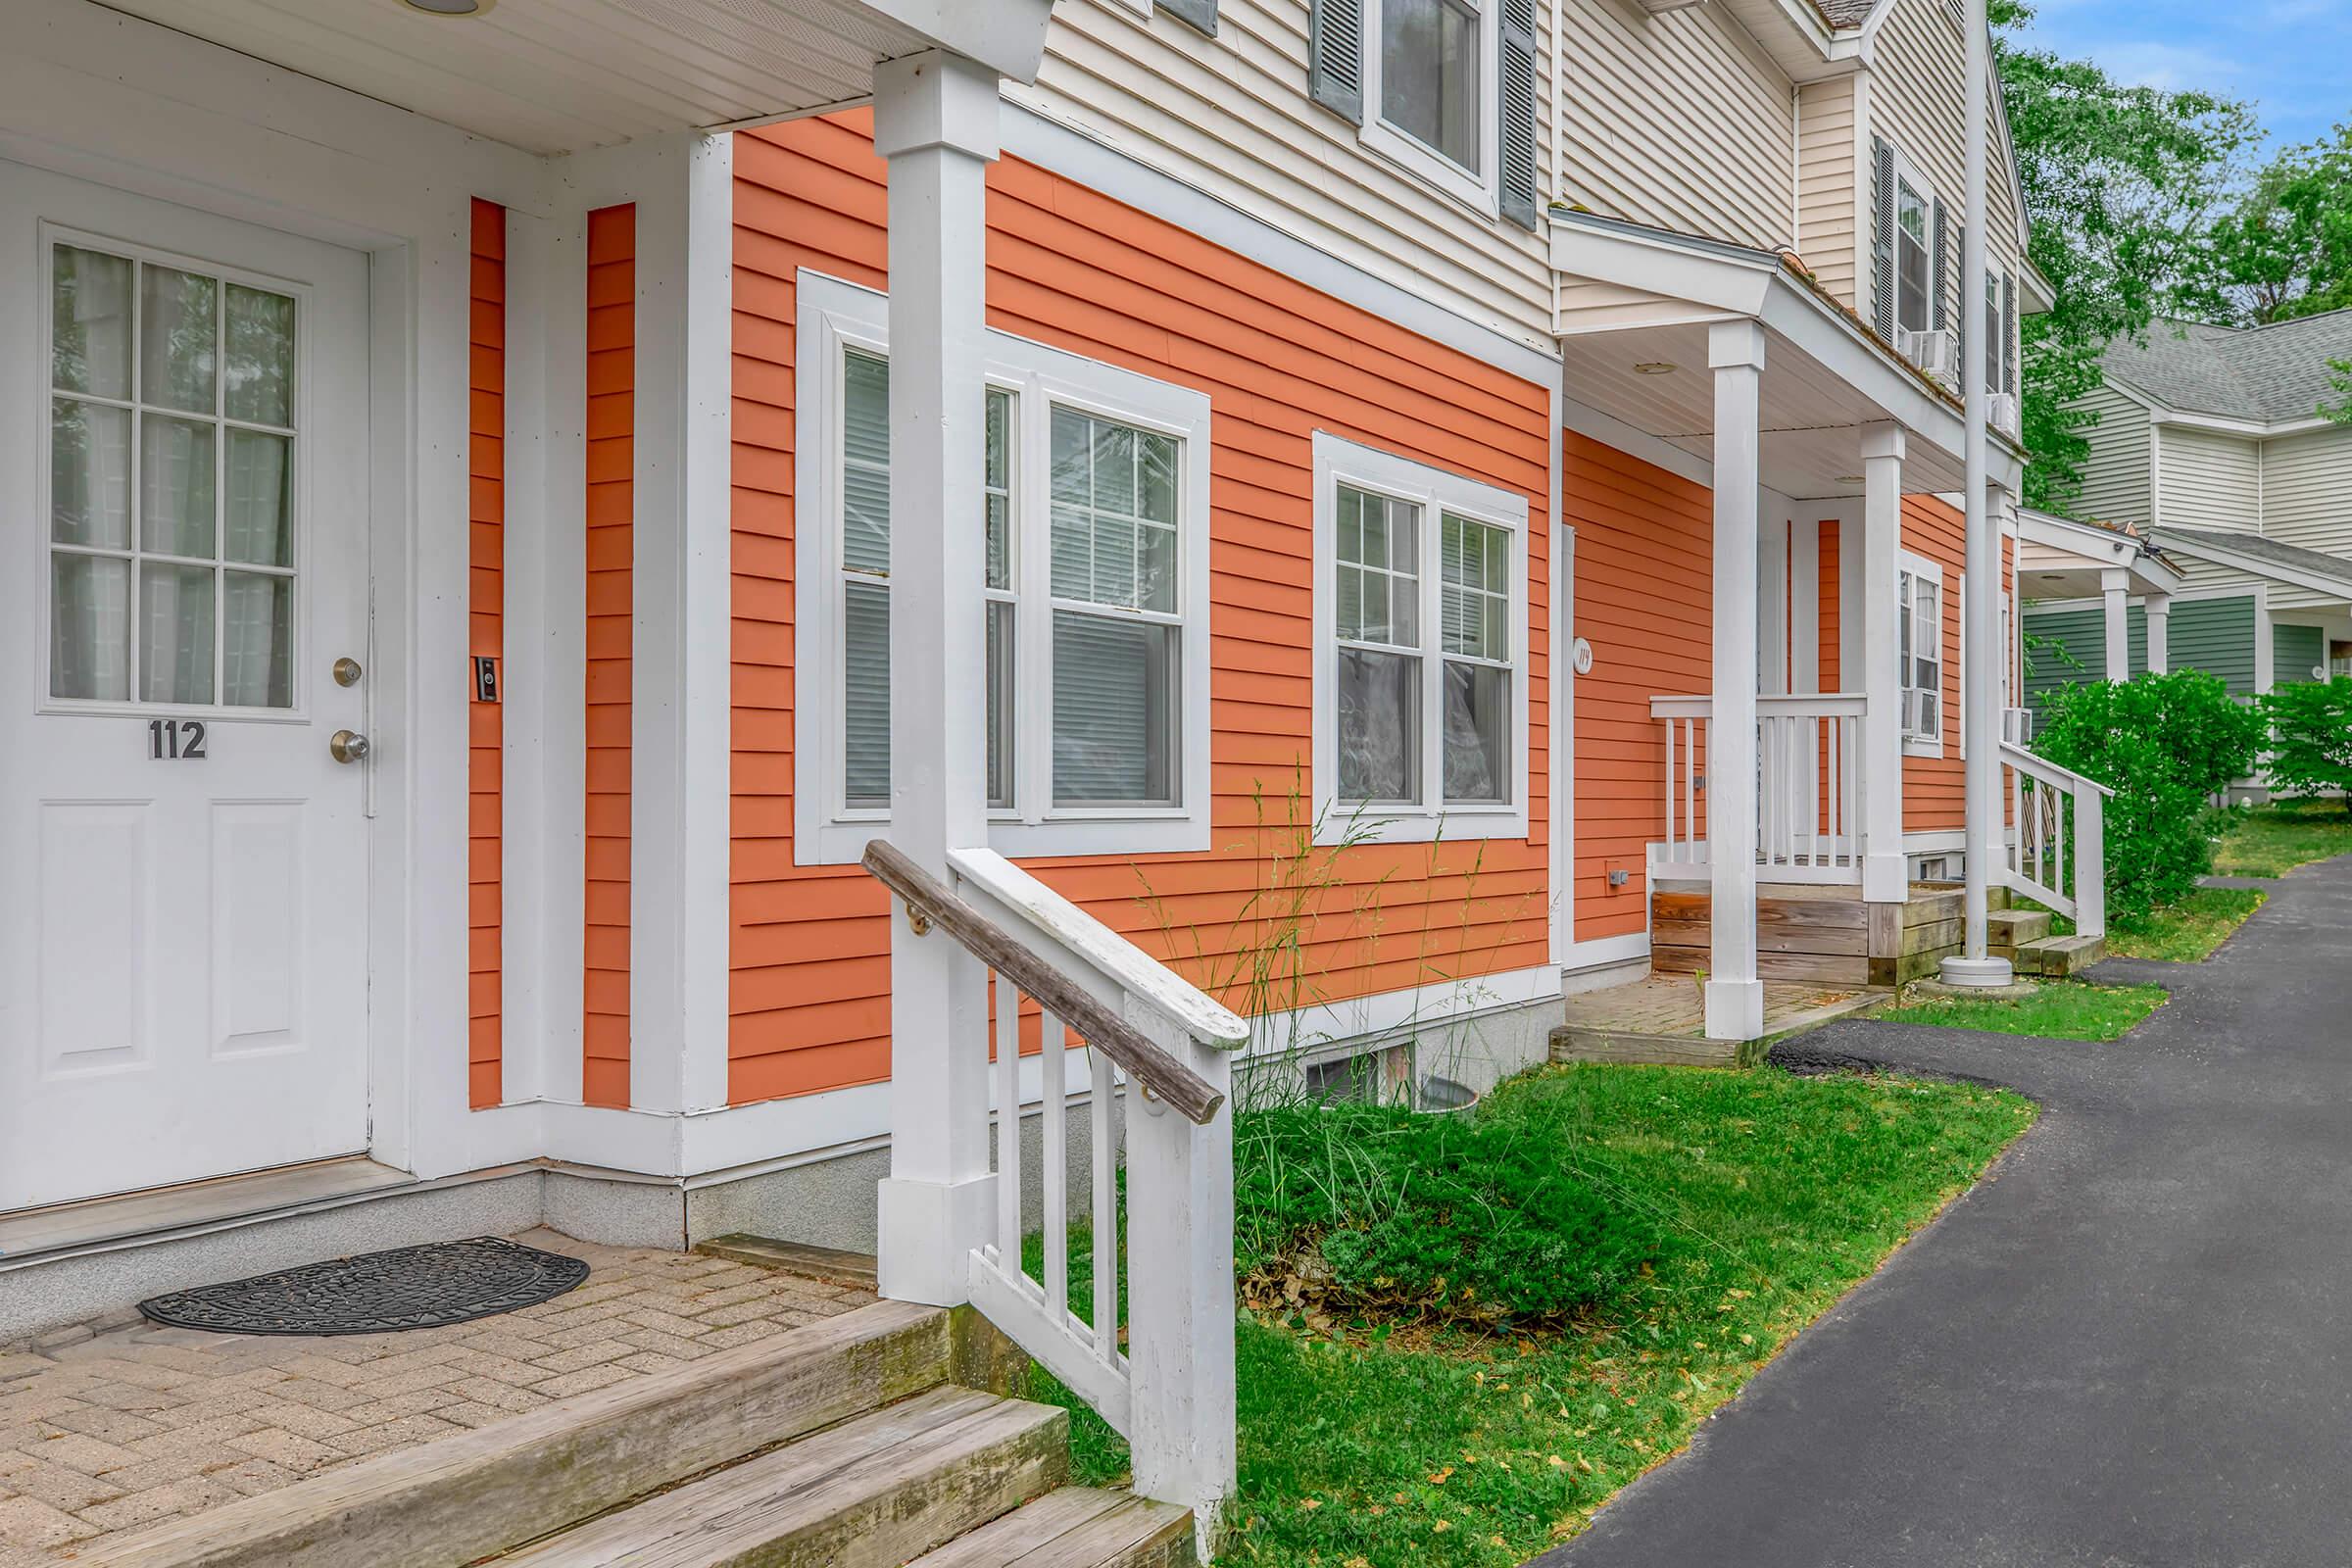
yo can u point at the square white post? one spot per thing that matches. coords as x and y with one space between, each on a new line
1883 872
2159 607
2115 594
936 120
1734 995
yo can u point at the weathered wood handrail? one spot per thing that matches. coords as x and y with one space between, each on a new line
1162 1074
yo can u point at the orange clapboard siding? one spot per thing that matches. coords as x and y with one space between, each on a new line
1935 790
1072 267
1644 589
486 470
610 550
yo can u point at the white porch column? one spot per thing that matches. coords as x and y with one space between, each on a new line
1880 680
1735 994
2159 607
2115 590
936 120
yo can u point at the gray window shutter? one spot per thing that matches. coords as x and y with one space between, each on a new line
2009 334
1335 47
1518 137
1959 318
1939 253
1201 15
1882 238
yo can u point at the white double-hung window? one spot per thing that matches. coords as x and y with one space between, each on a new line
1094 493
1919 643
1420 726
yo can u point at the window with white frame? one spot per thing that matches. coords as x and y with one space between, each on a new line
1918 644
1913 253
1420 666
1430 90
1093 494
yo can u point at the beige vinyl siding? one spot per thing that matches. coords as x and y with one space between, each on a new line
2307 490
1829 197
2206 479
1676 120
1916 101
2116 470
1231 116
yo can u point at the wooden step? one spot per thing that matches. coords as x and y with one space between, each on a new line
1077 1527
828 1265
873 1493
462 1498
2006 928
2056 958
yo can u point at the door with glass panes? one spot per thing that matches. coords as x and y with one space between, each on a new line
183 694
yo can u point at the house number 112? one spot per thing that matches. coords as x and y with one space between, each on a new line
178 740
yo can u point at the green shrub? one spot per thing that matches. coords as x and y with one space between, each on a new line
1362 1209
2311 738
2166 745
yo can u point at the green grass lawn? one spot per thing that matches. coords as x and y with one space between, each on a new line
2273 840
1388 1443
2062 1009
2189 931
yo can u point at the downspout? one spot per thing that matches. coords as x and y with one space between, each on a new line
1796 166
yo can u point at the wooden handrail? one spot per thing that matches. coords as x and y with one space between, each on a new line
1166 1078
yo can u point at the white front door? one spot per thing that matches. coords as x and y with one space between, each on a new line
183 562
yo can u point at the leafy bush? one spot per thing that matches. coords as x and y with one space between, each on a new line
1350 1209
2311 738
2164 744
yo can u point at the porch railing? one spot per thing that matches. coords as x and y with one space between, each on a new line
1167 1384
1809 787
2055 851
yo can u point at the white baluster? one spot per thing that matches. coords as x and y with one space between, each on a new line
1672 851
1106 1212
1054 1161
1008 1126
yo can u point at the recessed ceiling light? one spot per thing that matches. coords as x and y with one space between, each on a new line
450 8
1653 367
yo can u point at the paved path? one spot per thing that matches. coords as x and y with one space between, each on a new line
110 1426
2130 1347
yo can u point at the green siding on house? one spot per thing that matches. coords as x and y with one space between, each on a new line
2209 634
2295 651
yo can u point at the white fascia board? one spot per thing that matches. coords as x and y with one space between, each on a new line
2224 424
1813 324
2333 587
1710 274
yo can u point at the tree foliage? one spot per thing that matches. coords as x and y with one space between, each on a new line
2285 248
2311 738
2166 745
2122 187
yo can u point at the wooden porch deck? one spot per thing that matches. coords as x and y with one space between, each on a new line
1663 1020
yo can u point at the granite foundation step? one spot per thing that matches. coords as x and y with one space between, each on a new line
2056 958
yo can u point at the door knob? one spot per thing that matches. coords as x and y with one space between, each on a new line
348 746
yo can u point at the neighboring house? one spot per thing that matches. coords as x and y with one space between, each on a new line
2210 444
532 495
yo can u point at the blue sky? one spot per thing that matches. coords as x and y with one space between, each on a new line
2289 57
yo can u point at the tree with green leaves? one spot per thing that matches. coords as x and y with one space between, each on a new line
2286 248
2122 187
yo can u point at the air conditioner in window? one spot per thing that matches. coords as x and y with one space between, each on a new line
1936 353
1923 714
2000 411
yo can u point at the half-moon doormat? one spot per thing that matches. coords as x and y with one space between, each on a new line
379 1292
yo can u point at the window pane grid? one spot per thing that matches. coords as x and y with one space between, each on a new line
1379 578
157 372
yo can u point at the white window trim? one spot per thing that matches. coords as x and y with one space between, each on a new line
1342 461
1479 190
1906 173
1908 564
831 317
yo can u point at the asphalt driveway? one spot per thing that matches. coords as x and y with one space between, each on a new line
2131 1345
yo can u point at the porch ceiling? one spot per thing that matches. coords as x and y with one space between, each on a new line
1812 418
563 75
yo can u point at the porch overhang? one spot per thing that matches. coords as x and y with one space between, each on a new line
553 78
1637 307
2059 558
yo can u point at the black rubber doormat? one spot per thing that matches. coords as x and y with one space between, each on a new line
379 1292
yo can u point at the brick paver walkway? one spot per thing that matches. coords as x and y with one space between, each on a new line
113 1425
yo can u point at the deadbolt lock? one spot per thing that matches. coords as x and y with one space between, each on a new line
347 671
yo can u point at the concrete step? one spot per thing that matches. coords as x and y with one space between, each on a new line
875 1492
2056 958
463 1498
1077 1527
2007 928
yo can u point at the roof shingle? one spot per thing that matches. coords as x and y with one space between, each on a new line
2264 374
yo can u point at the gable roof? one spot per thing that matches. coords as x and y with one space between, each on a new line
2333 573
2268 374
